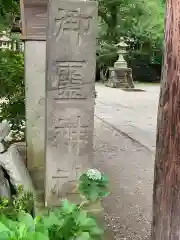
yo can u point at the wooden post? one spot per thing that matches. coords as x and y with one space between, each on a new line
166 198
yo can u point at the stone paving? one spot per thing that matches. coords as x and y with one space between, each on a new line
133 113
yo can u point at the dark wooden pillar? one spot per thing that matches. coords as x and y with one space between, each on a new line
166 197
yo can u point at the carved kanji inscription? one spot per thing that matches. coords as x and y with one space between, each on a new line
71 20
74 136
71 59
68 79
68 75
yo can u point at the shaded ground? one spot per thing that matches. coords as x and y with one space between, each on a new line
129 167
125 132
133 113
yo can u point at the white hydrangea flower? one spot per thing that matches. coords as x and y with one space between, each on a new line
8 138
18 135
94 174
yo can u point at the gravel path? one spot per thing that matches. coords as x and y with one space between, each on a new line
129 167
133 113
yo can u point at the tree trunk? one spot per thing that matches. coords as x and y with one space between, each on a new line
112 34
166 198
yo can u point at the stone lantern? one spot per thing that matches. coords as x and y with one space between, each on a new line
120 74
5 42
121 63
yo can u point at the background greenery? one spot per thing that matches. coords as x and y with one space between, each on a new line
140 22
12 88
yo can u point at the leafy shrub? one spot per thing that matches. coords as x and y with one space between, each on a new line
145 68
21 201
12 88
67 222
25 228
93 185
71 222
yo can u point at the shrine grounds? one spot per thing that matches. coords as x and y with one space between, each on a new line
124 147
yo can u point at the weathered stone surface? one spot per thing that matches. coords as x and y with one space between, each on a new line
13 163
2 147
34 19
35 59
120 78
71 46
4 129
21 147
4 186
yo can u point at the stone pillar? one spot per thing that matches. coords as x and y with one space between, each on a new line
70 76
34 28
35 53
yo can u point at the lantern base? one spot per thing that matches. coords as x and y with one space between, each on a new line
120 78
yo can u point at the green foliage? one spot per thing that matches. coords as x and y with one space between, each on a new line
71 222
21 201
12 88
140 22
93 189
25 228
67 222
9 11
